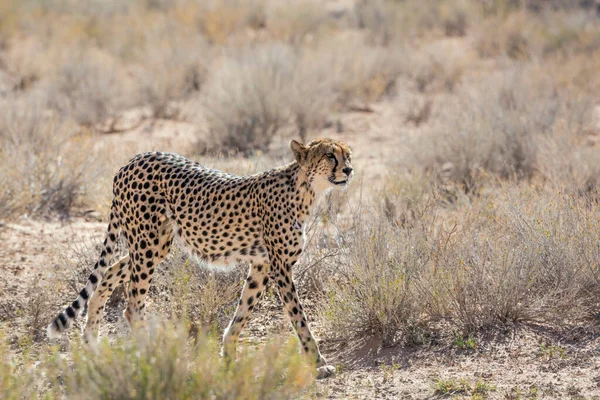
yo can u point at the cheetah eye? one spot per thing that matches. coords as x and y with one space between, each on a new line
331 156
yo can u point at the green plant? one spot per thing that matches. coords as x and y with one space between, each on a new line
465 343
549 352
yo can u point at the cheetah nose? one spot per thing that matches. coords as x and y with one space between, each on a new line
347 171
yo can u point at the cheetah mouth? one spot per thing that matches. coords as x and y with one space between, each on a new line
345 181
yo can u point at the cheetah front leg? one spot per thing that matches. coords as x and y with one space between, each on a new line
251 294
281 275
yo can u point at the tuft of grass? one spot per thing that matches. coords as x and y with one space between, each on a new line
161 363
16 378
165 364
450 387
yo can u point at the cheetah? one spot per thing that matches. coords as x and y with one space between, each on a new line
222 219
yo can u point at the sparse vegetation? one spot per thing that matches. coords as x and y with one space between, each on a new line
475 127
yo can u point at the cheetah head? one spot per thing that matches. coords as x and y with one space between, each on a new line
326 161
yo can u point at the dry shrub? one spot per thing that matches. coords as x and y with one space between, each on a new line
390 22
219 20
436 67
373 292
359 71
535 265
88 90
16 380
567 162
517 255
45 161
172 66
23 63
507 36
493 127
246 97
38 308
298 22
525 35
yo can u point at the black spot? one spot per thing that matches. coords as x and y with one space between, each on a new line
252 285
93 279
84 294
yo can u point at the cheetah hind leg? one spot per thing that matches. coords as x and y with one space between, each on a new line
117 274
142 268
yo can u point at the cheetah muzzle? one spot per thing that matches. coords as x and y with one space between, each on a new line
223 219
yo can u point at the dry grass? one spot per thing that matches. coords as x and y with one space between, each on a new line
204 298
160 364
505 259
45 167
246 97
373 291
493 127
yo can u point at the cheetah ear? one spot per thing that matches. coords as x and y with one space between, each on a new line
299 151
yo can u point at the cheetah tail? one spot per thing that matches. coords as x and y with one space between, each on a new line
65 318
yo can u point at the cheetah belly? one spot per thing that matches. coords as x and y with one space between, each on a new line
225 261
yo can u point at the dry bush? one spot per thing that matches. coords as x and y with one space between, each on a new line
493 127
220 20
23 63
162 364
312 93
246 97
373 292
359 71
436 67
16 380
568 163
524 35
45 161
38 308
534 264
390 22
171 65
296 23
517 255
88 90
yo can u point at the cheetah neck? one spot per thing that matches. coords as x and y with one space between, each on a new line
306 193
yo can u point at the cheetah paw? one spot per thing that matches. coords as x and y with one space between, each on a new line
325 371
